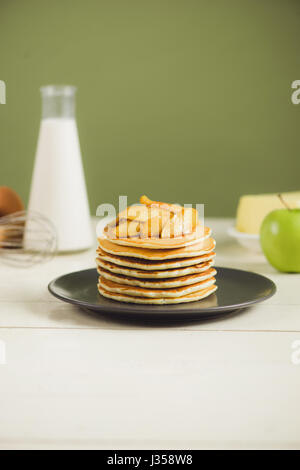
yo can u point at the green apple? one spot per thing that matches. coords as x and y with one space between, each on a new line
280 239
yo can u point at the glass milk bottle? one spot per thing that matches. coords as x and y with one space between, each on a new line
58 188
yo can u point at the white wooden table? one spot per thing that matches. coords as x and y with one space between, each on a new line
74 379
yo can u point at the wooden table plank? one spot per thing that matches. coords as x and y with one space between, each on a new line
134 388
75 379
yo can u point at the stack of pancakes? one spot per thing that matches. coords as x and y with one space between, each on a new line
156 253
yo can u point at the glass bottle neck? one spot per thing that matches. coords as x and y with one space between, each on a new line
58 101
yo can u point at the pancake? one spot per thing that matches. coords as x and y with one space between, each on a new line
156 253
135 291
198 249
139 273
158 283
163 243
150 265
198 295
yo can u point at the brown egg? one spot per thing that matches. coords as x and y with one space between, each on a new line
9 201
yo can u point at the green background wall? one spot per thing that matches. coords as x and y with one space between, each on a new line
184 100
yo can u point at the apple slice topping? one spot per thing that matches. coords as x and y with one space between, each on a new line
153 219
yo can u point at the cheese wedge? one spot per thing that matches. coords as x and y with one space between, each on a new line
252 209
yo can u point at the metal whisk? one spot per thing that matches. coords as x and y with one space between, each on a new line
26 238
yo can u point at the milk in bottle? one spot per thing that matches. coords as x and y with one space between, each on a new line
58 188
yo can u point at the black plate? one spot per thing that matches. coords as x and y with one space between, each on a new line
236 289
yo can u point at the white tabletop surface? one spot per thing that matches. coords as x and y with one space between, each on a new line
80 380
